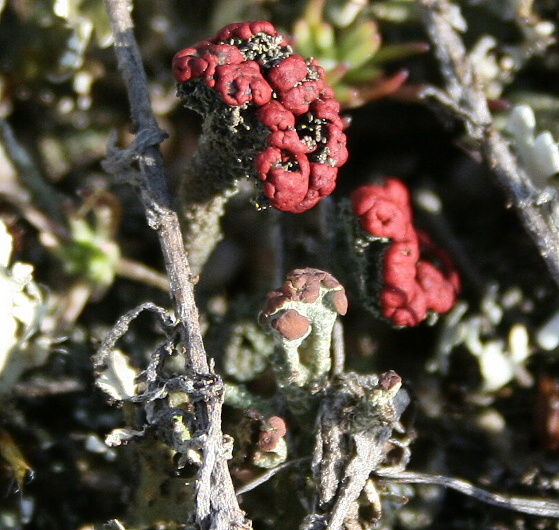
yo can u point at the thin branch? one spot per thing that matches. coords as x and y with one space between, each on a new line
249 486
136 271
538 209
216 503
532 506
155 195
43 194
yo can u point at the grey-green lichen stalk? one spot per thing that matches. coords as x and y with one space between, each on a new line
301 315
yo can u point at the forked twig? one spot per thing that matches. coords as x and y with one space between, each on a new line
216 502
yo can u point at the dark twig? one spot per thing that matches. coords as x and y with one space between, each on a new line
216 503
537 208
43 194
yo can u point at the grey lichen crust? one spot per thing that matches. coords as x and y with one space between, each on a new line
230 139
267 50
357 417
172 427
357 424
363 254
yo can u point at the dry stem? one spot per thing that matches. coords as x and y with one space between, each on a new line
537 208
216 503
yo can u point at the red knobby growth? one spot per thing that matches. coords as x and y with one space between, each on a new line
240 83
389 380
202 60
412 284
252 64
246 30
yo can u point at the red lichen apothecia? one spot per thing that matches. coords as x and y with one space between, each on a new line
278 119
412 285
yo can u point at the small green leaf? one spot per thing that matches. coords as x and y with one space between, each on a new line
303 37
358 44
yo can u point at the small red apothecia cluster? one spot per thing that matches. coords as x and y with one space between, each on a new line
251 65
412 285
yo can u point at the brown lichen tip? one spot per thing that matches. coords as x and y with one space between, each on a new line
272 430
389 380
284 309
291 324
304 285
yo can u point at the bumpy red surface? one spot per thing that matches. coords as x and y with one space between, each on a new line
306 144
412 284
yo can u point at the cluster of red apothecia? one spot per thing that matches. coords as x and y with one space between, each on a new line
411 284
251 65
